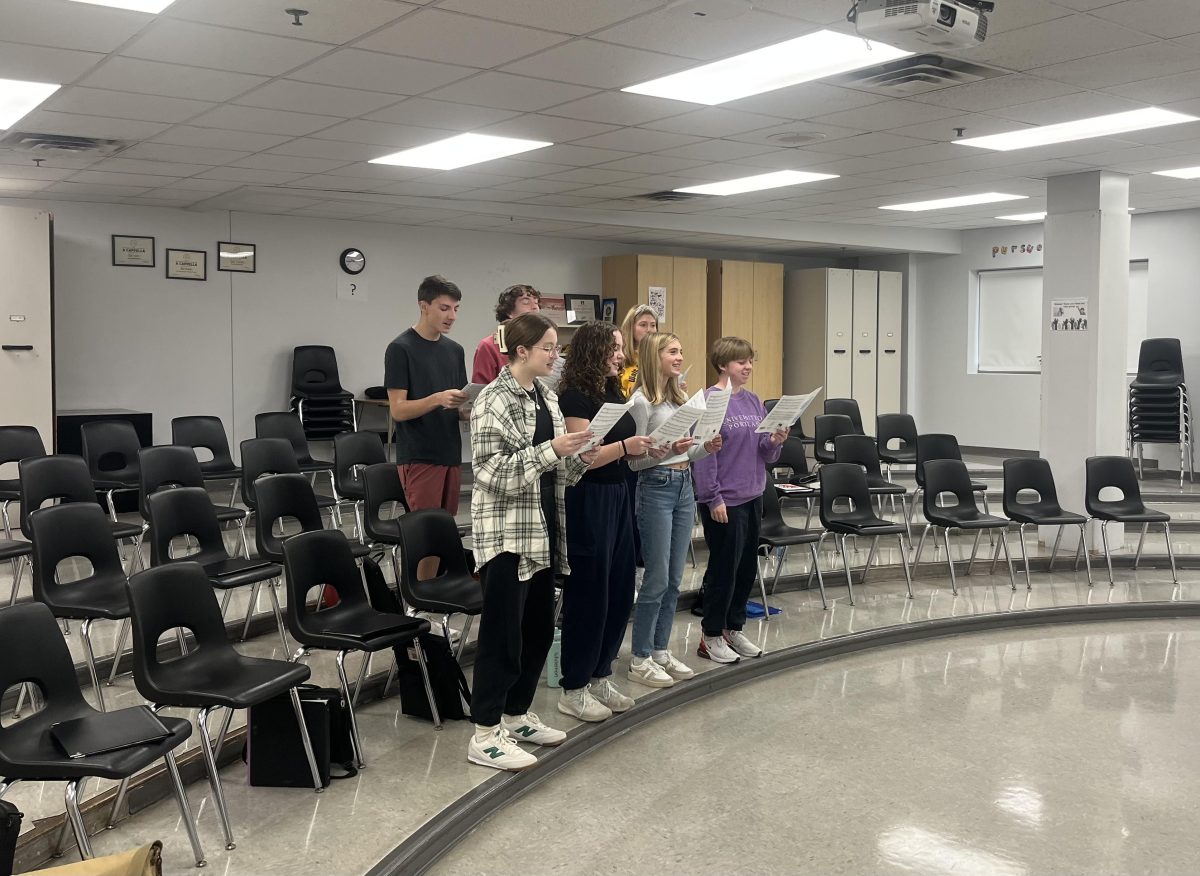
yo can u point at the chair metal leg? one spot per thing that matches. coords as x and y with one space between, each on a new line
820 578
271 588
996 554
366 665
1083 548
974 548
122 790
462 639
61 840
245 541
1170 552
18 570
841 540
816 566
904 563
433 709
1012 580
1107 555
184 809
987 510
950 562
1024 554
391 676
1137 557
85 633
250 609
762 586
122 638
214 778
870 558
354 737
306 740
778 568
112 508
72 795
921 545
225 721
808 513
1054 552
225 602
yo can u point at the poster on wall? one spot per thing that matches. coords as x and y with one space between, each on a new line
1068 315
657 299
555 308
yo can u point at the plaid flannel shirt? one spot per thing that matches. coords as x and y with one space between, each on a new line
506 503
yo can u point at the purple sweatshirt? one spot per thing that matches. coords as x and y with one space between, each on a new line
737 473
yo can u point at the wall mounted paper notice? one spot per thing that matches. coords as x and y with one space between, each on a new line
472 390
1068 315
787 411
709 425
603 423
677 426
351 289
657 298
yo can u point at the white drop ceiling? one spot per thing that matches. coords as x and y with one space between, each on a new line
225 104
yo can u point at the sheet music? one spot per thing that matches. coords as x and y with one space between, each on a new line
472 390
787 411
709 425
677 426
556 375
603 423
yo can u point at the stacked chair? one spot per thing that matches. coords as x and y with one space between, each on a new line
323 406
1159 411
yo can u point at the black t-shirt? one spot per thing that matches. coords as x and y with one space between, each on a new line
574 403
424 368
543 431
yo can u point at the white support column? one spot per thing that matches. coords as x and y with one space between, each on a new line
1083 371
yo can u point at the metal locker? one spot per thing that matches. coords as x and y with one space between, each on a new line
890 341
865 328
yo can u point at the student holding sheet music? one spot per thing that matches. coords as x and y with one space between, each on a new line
598 598
665 510
729 488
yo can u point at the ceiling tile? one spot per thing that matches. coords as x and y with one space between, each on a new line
249 175
614 107
505 91
16 187
1014 14
153 168
883 116
552 128
593 176
1123 66
215 138
804 101
121 179
422 112
296 164
46 122
438 35
651 164
307 147
866 144
421 189
62 25
714 122
706 37
263 121
946 129
717 150
170 80
537 186
73 189
381 134
208 187
220 48
1165 90
991 94
330 21
1162 18
330 182
373 71
182 154
33 172
556 15
123 105
37 64
1063 109
306 97
1052 42
637 140
518 169
600 65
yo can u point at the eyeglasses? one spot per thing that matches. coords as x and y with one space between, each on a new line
553 349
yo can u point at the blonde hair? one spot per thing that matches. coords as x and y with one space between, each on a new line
655 385
631 349
729 349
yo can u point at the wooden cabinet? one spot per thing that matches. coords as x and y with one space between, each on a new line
745 299
628 279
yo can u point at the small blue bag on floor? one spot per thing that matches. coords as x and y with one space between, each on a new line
755 609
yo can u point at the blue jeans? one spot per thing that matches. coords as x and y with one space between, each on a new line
666 513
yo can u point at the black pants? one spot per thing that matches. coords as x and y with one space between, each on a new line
732 565
515 632
598 597
631 488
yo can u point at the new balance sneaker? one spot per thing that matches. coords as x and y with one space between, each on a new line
738 641
498 751
677 669
645 671
603 691
716 649
580 703
529 728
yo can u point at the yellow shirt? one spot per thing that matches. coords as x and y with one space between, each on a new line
628 379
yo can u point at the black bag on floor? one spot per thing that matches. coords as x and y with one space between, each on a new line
450 689
275 751
10 829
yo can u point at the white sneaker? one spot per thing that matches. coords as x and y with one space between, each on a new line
738 641
677 669
603 691
645 671
580 703
499 752
529 728
716 649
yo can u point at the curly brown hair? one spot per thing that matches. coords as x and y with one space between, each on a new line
587 362
508 300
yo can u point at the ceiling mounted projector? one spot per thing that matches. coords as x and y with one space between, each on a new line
947 24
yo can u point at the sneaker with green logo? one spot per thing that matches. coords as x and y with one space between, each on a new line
529 728
498 751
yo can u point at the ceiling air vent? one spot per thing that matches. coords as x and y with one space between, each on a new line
669 196
49 145
915 75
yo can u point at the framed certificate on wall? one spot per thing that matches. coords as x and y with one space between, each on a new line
236 257
187 264
132 252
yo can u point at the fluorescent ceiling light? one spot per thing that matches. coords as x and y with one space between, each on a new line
960 201
1080 129
151 6
758 182
803 59
18 99
1180 172
1024 217
460 151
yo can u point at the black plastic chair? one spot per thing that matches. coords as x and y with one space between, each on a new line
432 532
352 452
323 559
861 450
949 476
33 651
776 535
1160 363
208 433
168 466
826 429
1117 471
382 487
289 496
110 448
60 533
16 443
286 425
1031 474
269 456
794 457
845 481
938 445
323 406
847 407
188 512
902 429
212 675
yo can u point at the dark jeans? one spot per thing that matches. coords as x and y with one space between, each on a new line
732 565
598 596
515 632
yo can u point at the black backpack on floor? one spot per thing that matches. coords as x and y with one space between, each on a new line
10 829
